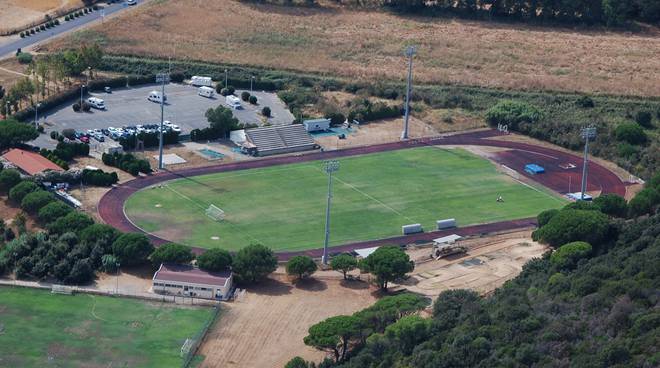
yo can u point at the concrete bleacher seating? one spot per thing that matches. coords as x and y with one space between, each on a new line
280 139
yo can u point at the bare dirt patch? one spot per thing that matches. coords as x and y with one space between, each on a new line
489 262
8 212
267 328
368 44
16 13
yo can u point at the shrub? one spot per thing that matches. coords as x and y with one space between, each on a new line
545 216
69 133
52 211
512 113
66 18
569 254
253 263
253 100
34 201
571 225
644 118
266 111
8 179
171 253
48 25
132 248
76 108
40 128
20 190
74 221
86 107
22 34
32 31
644 203
54 135
301 266
231 90
224 91
214 260
631 133
245 96
177 76
56 22
99 178
42 27
24 58
611 205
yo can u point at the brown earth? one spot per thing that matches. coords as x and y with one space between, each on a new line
267 327
16 13
368 44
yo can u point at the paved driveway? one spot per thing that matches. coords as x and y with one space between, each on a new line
129 106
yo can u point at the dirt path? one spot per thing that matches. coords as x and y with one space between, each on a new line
266 329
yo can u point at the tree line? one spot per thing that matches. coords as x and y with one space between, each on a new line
607 12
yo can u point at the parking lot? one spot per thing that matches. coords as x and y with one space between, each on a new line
129 106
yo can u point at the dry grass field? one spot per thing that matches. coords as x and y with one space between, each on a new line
267 328
15 13
368 44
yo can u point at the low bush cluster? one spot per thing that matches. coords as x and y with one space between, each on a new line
127 162
149 139
99 178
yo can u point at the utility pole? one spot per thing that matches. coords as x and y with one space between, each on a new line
161 78
331 166
36 115
587 133
410 52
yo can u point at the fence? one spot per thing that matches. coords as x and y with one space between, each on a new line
189 348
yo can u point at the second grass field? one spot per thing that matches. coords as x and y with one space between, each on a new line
283 206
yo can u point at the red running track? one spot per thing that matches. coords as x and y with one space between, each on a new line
111 206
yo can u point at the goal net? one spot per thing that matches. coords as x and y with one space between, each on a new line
215 213
187 347
61 289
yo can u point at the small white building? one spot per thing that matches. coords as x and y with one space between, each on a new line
185 280
316 125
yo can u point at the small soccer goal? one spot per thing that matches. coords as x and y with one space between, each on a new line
215 213
187 347
61 289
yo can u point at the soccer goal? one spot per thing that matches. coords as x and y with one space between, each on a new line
215 213
61 289
187 347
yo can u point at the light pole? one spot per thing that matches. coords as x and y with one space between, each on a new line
36 115
7 110
331 166
587 133
117 278
410 52
251 81
82 86
161 78
226 71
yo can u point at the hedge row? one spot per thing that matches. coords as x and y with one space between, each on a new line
99 178
127 162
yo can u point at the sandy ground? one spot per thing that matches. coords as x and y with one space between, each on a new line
488 263
17 13
266 329
7 213
382 131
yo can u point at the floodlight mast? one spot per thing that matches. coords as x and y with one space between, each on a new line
161 78
410 52
587 134
331 166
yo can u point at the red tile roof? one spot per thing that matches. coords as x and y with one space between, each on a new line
190 274
30 162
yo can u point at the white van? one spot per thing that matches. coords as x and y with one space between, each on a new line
233 102
205 91
96 103
155 96
201 81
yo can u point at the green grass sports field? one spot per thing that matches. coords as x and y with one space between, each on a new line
283 206
40 329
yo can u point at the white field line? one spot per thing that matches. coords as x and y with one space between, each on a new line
370 197
538 190
204 208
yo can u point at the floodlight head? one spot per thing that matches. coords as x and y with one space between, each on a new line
588 133
411 50
331 166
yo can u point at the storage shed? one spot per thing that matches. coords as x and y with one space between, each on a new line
185 280
316 125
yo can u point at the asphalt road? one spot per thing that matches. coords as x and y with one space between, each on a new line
23 43
129 106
